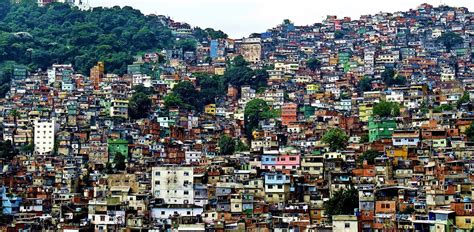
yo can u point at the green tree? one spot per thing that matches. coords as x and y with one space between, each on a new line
368 155
470 132
343 202
239 61
211 88
386 109
186 44
173 100
255 111
226 145
389 78
465 98
119 162
339 34
82 38
28 149
7 151
313 64
139 106
187 92
442 108
336 138
364 138
241 146
365 84
450 39
213 34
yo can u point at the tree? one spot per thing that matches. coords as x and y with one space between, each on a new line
241 146
470 132
7 151
226 145
465 98
187 92
82 38
216 34
28 149
369 156
259 79
389 78
442 108
313 64
336 138
339 34
364 138
343 202
211 88
386 109
186 44
255 110
365 84
450 39
239 61
173 100
139 106
119 161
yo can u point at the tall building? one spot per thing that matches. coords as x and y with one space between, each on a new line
289 113
44 132
97 73
251 50
173 184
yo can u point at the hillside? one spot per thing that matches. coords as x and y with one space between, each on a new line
40 36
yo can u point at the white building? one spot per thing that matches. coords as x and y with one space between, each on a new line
345 223
44 132
192 156
141 79
173 184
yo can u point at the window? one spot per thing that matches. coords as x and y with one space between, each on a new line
162 212
468 221
347 225
157 173
157 182
186 192
468 207
280 186
236 205
186 173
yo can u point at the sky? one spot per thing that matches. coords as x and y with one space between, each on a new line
239 18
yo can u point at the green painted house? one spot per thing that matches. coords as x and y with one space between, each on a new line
381 129
117 146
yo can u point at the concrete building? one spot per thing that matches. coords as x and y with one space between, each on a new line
44 132
173 184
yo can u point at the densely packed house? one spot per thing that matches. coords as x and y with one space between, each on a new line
379 120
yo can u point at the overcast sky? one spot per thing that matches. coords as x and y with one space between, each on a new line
240 18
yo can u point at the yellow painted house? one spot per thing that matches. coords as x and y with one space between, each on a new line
312 88
397 152
465 222
365 112
210 109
